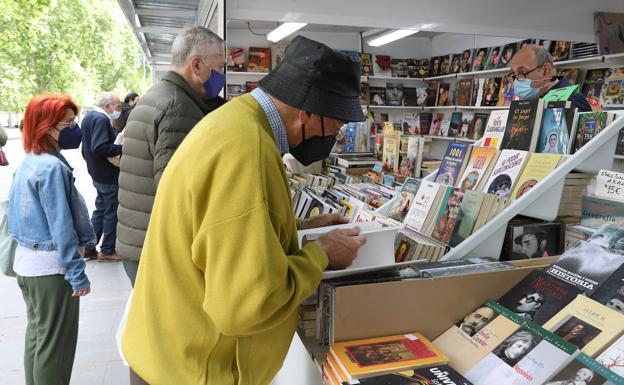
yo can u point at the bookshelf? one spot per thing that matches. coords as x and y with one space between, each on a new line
432 108
542 201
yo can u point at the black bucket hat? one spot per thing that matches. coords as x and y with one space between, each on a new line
317 79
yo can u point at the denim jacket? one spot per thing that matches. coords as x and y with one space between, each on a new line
46 212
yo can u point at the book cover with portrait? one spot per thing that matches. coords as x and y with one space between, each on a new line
375 356
493 58
463 92
584 370
477 334
467 217
477 127
586 266
377 96
530 239
539 296
448 215
432 93
443 94
434 66
611 292
538 167
465 63
445 65
531 355
479 58
560 50
586 324
423 205
505 172
235 59
394 94
491 90
556 131
506 55
592 86
404 199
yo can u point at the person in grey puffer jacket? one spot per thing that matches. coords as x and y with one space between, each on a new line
158 125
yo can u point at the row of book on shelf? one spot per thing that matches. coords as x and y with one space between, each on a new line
560 326
605 85
536 126
263 59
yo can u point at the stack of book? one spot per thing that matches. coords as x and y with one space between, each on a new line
356 360
306 320
575 185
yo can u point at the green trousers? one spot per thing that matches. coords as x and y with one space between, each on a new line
52 330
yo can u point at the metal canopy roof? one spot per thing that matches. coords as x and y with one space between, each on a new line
156 23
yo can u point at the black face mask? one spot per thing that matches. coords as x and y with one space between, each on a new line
314 148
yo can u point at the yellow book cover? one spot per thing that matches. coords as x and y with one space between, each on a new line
588 325
477 167
537 168
466 343
390 155
375 356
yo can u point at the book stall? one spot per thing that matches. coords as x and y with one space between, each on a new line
494 225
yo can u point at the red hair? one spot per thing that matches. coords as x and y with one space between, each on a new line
42 113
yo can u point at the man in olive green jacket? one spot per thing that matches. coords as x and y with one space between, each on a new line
156 127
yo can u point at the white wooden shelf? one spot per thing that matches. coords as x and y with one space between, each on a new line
486 108
395 79
541 202
449 138
375 107
246 73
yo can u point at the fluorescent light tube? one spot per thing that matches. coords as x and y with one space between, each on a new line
284 30
391 36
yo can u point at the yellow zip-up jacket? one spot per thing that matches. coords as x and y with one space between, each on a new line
221 272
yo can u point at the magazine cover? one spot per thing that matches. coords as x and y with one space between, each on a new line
554 137
560 50
445 64
394 94
463 92
478 125
434 66
455 63
507 53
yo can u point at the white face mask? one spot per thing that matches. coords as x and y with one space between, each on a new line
115 114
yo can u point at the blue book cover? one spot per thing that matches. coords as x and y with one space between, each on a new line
554 137
452 163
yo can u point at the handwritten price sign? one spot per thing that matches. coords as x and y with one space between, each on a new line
610 184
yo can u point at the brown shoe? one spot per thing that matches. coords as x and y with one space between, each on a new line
108 257
90 254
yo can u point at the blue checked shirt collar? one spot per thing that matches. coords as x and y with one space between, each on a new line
274 118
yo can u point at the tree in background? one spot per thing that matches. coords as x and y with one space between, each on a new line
81 47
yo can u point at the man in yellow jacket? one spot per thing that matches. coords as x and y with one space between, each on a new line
222 273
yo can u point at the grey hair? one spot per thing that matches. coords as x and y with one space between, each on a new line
543 55
105 99
192 41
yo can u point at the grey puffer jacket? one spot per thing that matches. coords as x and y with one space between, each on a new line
155 128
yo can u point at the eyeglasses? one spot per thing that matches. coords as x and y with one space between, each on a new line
523 76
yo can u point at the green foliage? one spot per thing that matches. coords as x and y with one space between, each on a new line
79 47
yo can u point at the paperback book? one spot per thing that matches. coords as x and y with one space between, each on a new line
611 292
529 356
423 203
473 337
613 357
448 215
467 218
382 66
596 211
586 324
404 199
589 125
479 166
538 167
259 59
477 127
586 266
538 297
523 125
584 370
491 89
453 163
495 129
235 59
506 171
556 131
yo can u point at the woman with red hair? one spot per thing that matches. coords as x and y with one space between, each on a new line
50 223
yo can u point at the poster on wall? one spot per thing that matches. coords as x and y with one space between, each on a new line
609 35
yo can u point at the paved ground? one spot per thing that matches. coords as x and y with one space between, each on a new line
97 361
